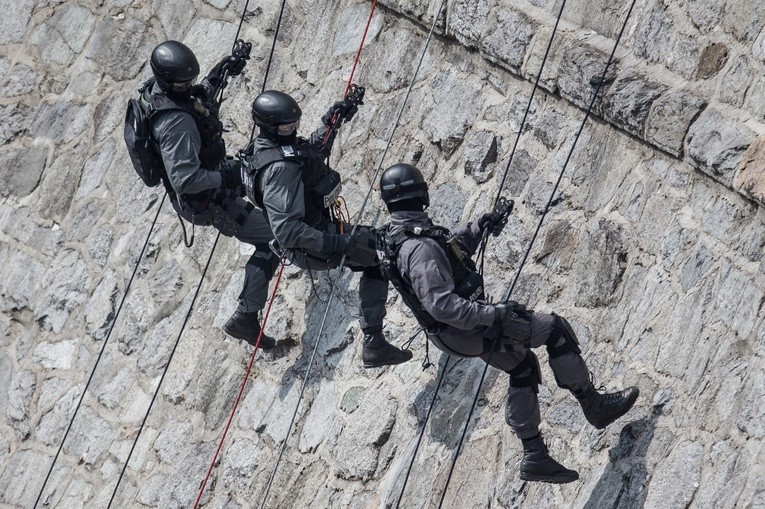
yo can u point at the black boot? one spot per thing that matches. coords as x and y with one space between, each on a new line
603 409
537 465
378 352
246 326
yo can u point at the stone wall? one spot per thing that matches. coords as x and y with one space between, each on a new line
653 250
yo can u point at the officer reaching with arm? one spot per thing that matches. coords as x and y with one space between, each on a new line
204 186
287 177
437 280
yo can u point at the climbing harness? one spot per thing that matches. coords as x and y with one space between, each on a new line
598 86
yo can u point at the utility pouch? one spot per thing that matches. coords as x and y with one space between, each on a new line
327 189
471 286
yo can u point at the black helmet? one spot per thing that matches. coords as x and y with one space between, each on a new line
173 62
272 109
403 182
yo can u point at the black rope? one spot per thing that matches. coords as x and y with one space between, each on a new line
196 294
342 261
164 372
422 431
485 237
101 352
536 233
484 241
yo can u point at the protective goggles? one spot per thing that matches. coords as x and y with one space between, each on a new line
288 129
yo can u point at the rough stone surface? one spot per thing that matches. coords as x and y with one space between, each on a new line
655 235
629 100
66 284
751 177
64 35
716 144
509 42
678 477
669 119
21 183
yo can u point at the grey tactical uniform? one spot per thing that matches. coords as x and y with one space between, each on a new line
425 266
201 200
302 237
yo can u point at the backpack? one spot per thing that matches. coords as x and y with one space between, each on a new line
138 139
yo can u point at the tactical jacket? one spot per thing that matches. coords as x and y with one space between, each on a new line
189 149
296 220
425 267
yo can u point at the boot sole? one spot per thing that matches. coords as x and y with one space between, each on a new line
551 480
381 364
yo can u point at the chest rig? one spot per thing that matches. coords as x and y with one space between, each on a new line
468 283
321 184
209 126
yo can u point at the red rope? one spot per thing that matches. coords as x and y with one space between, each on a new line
358 53
355 64
273 294
241 388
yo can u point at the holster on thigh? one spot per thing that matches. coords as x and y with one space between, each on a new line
527 373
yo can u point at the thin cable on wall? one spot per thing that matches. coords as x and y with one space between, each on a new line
342 263
588 112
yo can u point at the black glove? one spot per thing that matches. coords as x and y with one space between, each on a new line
334 244
362 248
230 175
496 220
344 111
492 222
515 322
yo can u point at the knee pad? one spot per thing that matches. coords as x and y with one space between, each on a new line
562 329
265 260
526 373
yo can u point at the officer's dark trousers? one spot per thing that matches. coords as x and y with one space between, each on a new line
522 413
234 216
373 287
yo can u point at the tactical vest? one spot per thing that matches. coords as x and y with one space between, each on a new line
468 283
321 184
209 126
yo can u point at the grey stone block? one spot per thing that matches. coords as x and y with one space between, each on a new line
368 429
16 118
669 119
63 36
22 279
629 100
715 144
457 103
15 20
676 480
18 79
599 273
580 64
467 21
121 47
67 282
508 43
480 154
735 81
20 170
20 394
101 307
